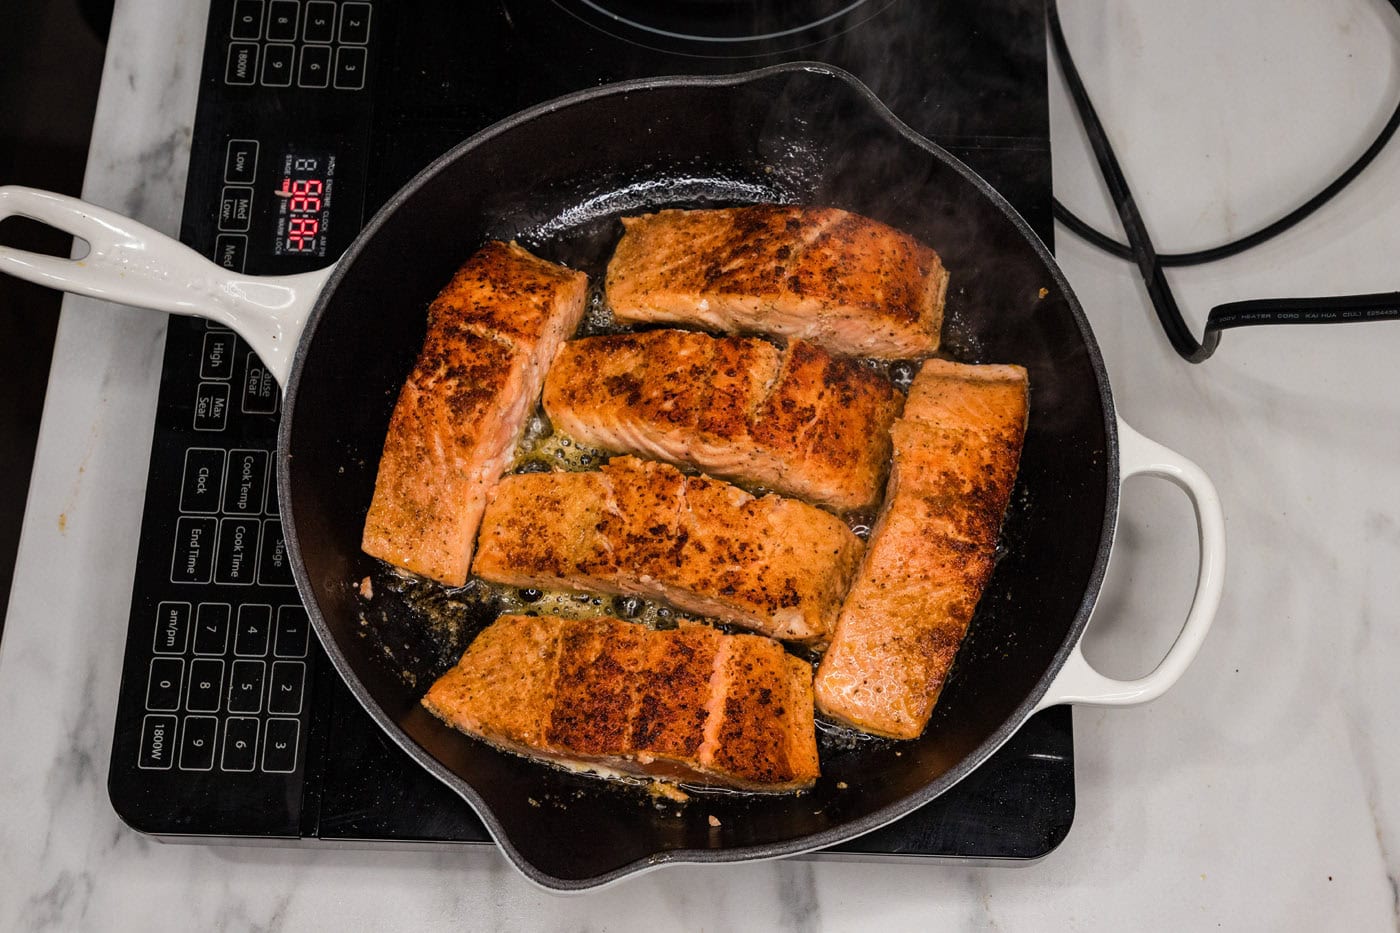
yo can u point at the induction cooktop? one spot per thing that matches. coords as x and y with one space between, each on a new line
231 725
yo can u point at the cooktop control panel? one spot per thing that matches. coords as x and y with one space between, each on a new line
215 723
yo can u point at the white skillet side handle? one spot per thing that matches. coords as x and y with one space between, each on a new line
131 264
1077 681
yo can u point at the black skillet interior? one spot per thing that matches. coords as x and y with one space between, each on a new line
557 179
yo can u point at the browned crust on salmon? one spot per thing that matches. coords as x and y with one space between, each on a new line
491 334
840 280
799 421
956 452
689 704
636 527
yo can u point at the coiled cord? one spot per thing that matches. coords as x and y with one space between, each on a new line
1152 265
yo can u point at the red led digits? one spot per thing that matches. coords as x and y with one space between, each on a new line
301 233
306 201
306 196
303 197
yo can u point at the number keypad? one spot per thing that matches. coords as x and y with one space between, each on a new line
215 702
311 44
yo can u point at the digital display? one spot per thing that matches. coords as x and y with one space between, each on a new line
304 203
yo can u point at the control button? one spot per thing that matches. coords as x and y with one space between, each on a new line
240 744
206 685
279 61
197 744
200 488
241 162
282 21
274 506
350 69
284 693
245 686
231 251
320 23
172 628
293 632
163 687
354 23
210 324
253 632
157 743
238 551
194 550
246 481
236 209
247 19
275 568
315 68
211 406
211 628
280 745
259 388
242 67
216 362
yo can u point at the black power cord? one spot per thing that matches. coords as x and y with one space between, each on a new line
1152 265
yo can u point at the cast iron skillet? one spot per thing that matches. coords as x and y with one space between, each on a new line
557 178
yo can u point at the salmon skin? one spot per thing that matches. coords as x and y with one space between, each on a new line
956 453
492 332
798 421
850 284
688 704
641 528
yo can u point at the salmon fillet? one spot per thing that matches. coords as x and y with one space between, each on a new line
848 283
641 528
689 704
956 452
492 332
799 421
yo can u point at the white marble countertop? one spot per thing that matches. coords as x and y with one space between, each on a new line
1262 793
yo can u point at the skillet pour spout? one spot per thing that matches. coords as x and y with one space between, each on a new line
557 178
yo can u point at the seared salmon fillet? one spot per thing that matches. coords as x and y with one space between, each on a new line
492 332
956 452
689 704
641 528
799 421
845 282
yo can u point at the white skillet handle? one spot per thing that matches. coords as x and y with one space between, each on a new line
131 264
1077 681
